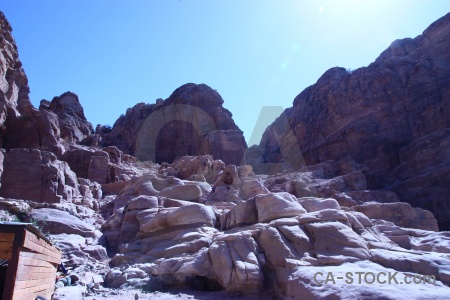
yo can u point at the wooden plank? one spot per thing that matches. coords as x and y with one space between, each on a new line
30 246
7 237
41 257
40 243
6 245
34 269
12 265
45 289
21 274
37 249
33 283
29 236
35 276
26 261
5 254
32 243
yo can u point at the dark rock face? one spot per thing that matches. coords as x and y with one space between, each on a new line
423 175
375 113
38 176
181 125
73 124
79 159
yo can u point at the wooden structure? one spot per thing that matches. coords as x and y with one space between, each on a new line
32 262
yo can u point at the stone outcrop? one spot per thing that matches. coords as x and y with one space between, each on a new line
101 165
73 124
202 167
210 223
423 176
38 176
380 115
192 121
401 214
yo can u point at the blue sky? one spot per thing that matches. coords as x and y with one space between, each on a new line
255 53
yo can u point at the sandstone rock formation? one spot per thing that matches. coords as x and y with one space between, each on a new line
250 238
380 115
207 222
38 176
73 124
423 176
191 121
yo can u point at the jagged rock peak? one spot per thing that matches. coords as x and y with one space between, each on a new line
67 103
73 123
192 122
196 94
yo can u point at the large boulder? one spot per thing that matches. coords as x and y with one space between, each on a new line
236 264
187 167
56 221
362 280
277 205
189 192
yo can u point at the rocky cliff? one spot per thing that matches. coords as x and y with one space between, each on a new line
22 126
384 116
192 121
206 224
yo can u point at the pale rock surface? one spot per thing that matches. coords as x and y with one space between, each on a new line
56 222
236 265
300 284
69 292
312 204
277 205
189 192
